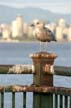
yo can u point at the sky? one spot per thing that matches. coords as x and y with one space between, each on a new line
57 6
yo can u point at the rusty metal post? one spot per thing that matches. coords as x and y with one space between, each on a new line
43 64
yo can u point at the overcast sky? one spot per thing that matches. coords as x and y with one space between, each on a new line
61 6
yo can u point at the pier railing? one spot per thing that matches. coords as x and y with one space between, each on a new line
43 96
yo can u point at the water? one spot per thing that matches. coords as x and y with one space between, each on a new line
18 53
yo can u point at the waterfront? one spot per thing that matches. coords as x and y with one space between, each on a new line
18 53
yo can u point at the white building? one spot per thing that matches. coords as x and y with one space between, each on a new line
19 21
65 34
17 27
14 29
59 33
62 23
6 32
69 33
59 30
30 32
0 31
25 28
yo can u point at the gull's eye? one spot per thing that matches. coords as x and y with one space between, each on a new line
37 22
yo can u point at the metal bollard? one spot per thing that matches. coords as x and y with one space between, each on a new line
43 63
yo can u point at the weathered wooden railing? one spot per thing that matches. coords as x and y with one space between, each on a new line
45 95
41 91
29 69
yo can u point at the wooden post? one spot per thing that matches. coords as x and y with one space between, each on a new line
66 101
43 63
13 99
70 101
56 101
2 99
24 100
61 101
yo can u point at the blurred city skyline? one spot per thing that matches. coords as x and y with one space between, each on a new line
61 6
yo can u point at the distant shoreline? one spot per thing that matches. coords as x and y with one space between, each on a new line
28 41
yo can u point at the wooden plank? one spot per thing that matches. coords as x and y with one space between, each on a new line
17 69
2 99
66 101
70 101
38 89
4 69
62 70
24 99
13 99
56 101
61 101
58 70
41 100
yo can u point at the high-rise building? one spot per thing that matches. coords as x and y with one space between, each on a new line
30 32
17 27
19 22
59 29
65 33
0 31
14 29
6 32
62 23
25 28
59 33
69 33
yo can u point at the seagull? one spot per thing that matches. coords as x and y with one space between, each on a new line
42 33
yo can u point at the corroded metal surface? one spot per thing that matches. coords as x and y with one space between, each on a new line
43 55
22 69
62 70
55 70
43 62
17 69
38 89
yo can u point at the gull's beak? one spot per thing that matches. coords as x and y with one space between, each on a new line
32 25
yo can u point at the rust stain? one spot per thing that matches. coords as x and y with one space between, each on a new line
34 88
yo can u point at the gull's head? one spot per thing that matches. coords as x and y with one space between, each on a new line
38 24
